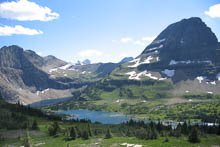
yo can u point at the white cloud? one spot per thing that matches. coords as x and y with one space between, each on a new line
126 40
90 53
214 11
142 41
24 10
18 30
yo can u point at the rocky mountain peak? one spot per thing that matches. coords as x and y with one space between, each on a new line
188 39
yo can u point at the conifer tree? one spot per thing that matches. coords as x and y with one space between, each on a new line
194 136
73 134
108 134
27 140
34 125
89 130
85 135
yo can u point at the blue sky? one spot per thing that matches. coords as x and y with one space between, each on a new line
100 30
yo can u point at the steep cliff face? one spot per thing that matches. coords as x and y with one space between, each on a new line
187 53
188 39
18 72
188 47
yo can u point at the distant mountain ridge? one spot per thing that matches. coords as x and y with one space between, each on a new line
26 76
186 53
21 70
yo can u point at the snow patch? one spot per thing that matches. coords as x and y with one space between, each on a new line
147 61
53 70
213 83
130 145
150 76
200 79
155 48
187 91
169 73
137 61
118 101
136 76
65 67
209 92
174 62
159 41
42 92
133 75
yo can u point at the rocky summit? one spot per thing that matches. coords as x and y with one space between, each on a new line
188 46
188 39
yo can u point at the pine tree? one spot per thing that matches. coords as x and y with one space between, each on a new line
85 135
108 134
218 132
73 134
151 131
184 129
129 133
54 129
89 130
35 125
78 132
27 140
177 132
141 133
194 136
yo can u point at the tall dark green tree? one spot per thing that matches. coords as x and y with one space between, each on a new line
108 134
177 131
194 135
54 129
141 133
27 140
85 135
184 129
89 130
73 134
34 125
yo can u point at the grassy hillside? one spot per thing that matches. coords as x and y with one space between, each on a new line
20 125
147 99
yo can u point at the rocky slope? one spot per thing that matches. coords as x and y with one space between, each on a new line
43 63
19 75
185 53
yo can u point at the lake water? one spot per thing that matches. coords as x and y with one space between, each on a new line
97 116
112 117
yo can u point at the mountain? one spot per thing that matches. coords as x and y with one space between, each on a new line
188 39
185 53
20 75
126 59
180 68
43 63
86 70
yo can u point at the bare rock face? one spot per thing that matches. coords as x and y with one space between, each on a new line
188 39
189 47
17 71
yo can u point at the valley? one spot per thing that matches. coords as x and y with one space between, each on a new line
168 95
